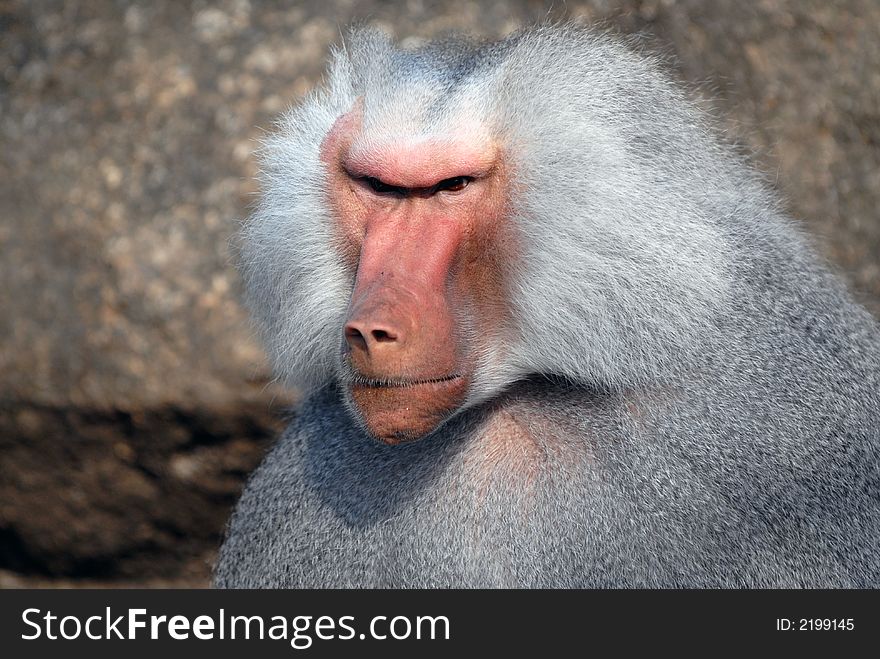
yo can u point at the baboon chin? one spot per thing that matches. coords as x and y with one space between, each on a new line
405 411
624 365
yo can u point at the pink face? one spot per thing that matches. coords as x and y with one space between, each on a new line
422 224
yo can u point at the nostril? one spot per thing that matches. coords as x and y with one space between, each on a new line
382 335
354 338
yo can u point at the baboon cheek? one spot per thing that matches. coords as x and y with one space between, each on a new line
394 415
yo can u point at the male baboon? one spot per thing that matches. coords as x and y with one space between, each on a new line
622 364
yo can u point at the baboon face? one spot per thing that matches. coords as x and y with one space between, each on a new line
420 219
439 223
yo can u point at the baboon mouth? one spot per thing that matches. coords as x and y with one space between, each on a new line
393 383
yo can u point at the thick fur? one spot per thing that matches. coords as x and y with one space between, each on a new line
684 395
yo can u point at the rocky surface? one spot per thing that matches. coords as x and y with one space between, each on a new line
134 398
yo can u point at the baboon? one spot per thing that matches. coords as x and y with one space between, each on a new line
551 332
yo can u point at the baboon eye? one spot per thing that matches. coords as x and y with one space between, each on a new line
453 184
383 188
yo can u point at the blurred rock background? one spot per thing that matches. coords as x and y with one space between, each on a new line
134 398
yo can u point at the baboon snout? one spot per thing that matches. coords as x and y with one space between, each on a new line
401 348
